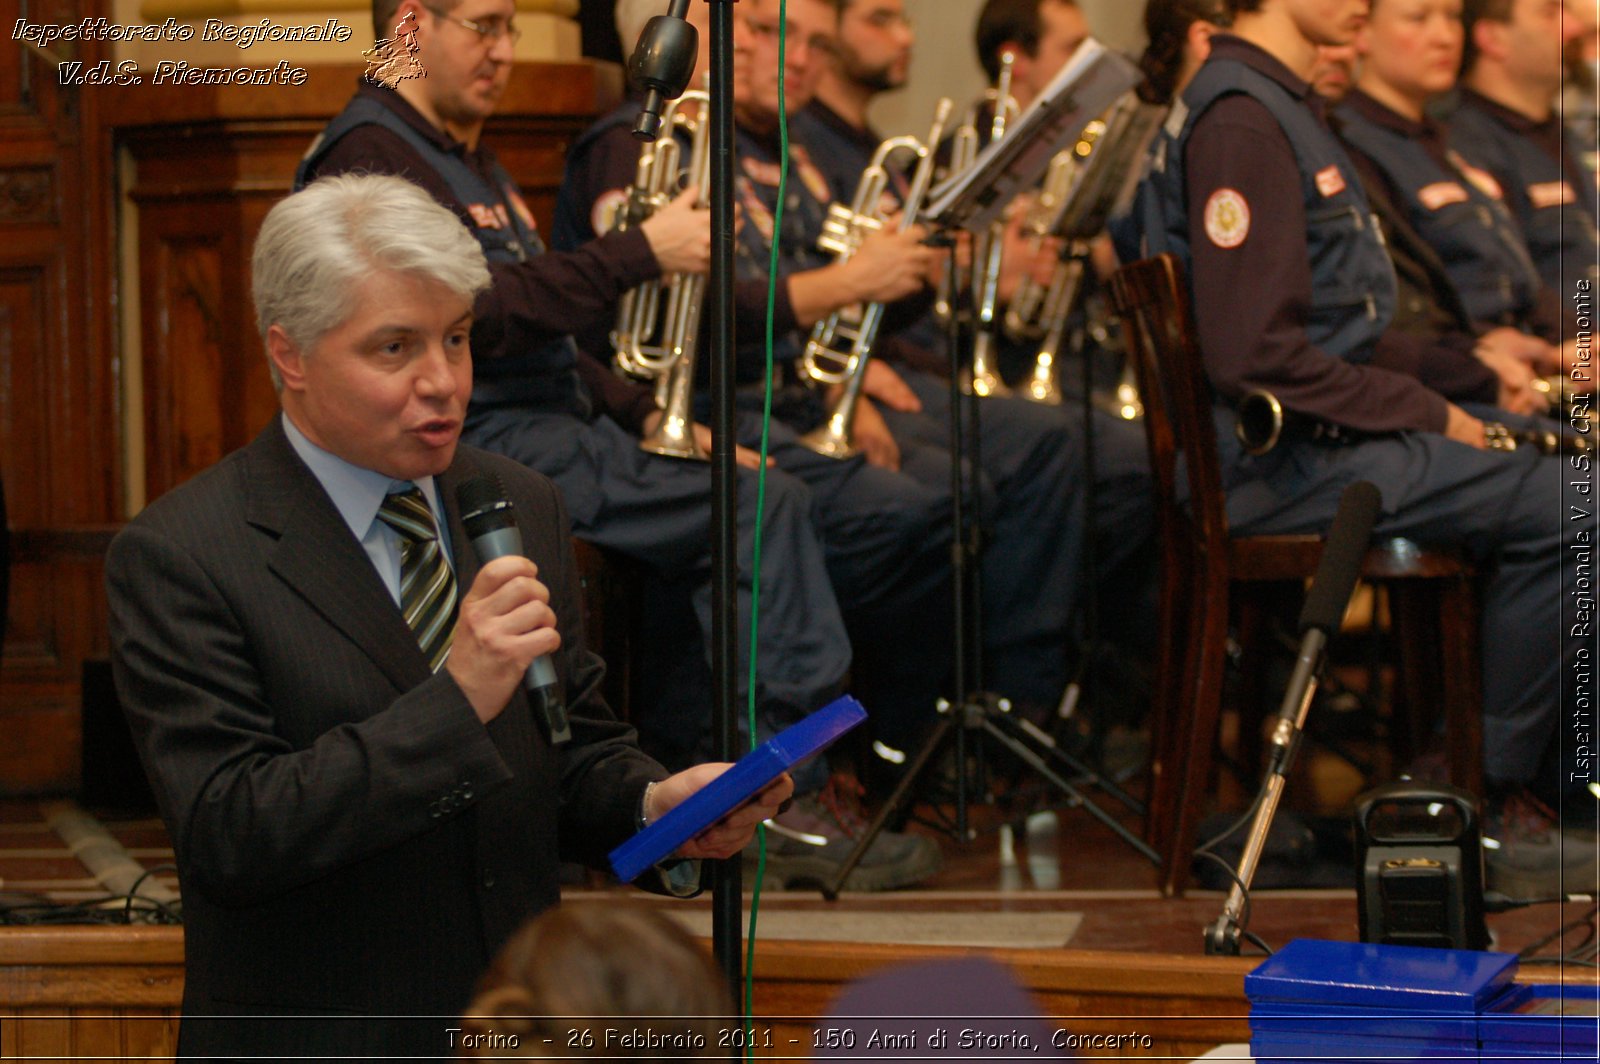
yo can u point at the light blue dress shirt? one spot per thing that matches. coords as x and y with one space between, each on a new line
357 494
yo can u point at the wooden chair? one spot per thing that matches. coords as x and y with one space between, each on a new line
5 565
1433 608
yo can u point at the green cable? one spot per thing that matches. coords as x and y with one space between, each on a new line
761 508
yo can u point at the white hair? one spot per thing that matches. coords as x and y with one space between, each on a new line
316 245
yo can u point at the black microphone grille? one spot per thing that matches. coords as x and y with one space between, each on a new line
1341 557
483 504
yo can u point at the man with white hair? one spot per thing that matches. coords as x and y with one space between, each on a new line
326 684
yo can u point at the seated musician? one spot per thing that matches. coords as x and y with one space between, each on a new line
541 401
1030 495
872 56
1462 358
1409 53
1506 121
1292 293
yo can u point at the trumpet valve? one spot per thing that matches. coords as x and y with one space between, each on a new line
843 230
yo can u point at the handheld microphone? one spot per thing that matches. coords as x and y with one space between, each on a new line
491 525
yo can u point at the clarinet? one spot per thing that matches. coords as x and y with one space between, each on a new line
1263 423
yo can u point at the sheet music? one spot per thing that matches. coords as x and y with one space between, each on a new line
1091 82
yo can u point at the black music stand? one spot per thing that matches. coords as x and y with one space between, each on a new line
1090 83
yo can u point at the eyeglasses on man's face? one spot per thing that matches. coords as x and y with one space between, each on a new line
767 32
488 30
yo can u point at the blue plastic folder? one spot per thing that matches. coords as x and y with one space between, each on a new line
736 786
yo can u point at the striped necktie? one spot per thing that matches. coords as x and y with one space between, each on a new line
427 586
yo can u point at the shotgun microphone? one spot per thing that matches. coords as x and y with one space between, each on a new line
1326 601
1319 620
491 525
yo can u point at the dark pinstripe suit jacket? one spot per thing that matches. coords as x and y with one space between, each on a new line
351 840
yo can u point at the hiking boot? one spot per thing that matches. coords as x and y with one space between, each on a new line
807 844
1527 857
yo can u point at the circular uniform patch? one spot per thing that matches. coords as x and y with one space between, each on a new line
1227 218
607 209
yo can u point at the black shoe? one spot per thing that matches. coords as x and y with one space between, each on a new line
807 845
1528 857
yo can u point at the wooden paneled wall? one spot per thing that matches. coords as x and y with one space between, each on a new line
58 402
199 169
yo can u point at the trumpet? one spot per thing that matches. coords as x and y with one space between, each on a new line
658 323
1088 184
1263 423
826 360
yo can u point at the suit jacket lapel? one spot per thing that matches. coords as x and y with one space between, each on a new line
316 555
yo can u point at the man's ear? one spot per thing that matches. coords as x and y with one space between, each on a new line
287 358
1488 37
1363 39
414 7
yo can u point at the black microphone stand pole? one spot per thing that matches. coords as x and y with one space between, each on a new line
726 885
662 64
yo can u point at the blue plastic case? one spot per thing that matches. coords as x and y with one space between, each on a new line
1387 977
739 784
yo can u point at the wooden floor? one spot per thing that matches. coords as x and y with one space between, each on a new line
1133 965
1066 861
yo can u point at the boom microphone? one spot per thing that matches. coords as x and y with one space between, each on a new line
1326 601
1341 558
491 525
1323 612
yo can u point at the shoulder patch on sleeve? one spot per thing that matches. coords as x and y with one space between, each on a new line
607 206
1481 179
1551 194
1227 218
1441 194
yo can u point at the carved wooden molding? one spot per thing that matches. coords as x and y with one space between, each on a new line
28 196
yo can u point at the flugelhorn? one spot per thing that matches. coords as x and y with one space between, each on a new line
1262 423
983 378
1102 164
650 344
989 250
827 360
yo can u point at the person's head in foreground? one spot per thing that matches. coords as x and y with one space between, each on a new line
599 980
